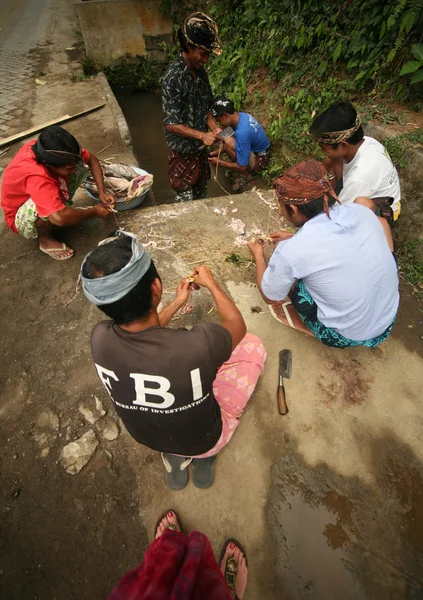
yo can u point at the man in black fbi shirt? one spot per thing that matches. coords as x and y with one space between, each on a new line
177 391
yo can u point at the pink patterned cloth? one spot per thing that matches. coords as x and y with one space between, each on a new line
234 384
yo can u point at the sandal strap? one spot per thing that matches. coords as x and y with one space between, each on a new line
231 571
168 466
171 526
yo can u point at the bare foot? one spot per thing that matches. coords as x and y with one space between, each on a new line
295 317
232 550
60 252
169 519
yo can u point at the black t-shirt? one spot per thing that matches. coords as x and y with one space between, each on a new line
161 383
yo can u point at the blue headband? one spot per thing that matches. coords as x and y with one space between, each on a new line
113 287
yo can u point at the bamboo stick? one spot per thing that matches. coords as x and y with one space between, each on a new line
63 119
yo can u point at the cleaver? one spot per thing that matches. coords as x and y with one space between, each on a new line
223 135
285 369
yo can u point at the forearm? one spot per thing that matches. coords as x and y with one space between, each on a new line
72 216
185 131
97 173
260 269
212 125
234 166
169 311
225 307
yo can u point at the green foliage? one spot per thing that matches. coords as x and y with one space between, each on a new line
370 38
414 66
141 73
399 146
410 259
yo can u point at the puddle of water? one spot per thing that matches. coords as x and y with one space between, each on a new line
143 113
316 542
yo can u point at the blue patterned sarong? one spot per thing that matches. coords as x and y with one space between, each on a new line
307 309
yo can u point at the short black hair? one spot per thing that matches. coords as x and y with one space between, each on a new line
56 138
222 105
338 117
110 258
313 208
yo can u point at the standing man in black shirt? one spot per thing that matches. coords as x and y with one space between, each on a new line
187 99
177 391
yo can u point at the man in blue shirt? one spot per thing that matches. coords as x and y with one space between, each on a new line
248 149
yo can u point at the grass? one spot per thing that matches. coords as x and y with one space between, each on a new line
410 259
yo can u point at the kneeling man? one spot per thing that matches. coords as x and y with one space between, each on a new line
177 391
249 148
338 270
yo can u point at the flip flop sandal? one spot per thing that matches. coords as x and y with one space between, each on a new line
50 252
203 472
284 306
170 526
231 567
176 470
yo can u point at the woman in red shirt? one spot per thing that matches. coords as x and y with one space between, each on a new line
38 186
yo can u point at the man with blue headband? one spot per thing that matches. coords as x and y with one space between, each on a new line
177 391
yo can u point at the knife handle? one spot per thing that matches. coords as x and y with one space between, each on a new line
283 408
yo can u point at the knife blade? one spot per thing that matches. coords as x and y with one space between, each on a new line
285 369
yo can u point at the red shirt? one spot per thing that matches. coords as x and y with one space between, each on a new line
24 178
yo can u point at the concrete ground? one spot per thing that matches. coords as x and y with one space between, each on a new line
326 500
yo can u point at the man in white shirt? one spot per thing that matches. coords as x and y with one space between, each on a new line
338 269
361 165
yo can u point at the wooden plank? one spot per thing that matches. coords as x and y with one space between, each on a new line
28 132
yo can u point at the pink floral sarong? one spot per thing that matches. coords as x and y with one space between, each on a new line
234 384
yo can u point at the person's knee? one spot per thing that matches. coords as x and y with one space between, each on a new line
364 201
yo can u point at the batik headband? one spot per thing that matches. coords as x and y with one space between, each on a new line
113 287
335 137
304 183
201 31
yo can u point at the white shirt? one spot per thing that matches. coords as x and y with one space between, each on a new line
347 266
370 173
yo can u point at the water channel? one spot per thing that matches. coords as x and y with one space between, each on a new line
143 113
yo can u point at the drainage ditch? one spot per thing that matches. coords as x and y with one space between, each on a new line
143 113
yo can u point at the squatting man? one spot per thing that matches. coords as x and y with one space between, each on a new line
177 391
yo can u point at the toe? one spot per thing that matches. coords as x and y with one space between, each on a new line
172 519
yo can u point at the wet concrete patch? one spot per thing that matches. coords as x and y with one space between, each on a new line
339 537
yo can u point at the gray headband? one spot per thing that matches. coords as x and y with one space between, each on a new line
113 287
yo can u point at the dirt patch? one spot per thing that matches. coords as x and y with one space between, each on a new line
347 382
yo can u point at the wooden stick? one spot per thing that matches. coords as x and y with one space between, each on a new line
4 151
103 149
28 132
194 262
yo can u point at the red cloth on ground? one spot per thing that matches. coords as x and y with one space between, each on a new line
175 567
24 178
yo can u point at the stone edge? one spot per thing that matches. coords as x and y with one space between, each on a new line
118 115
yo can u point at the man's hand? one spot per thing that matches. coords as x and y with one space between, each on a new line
208 139
256 248
204 277
102 210
108 200
214 153
217 130
280 236
214 161
182 292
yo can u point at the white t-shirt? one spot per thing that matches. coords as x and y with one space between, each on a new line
370 173
347 267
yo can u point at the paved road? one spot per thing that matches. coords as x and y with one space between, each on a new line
24 26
